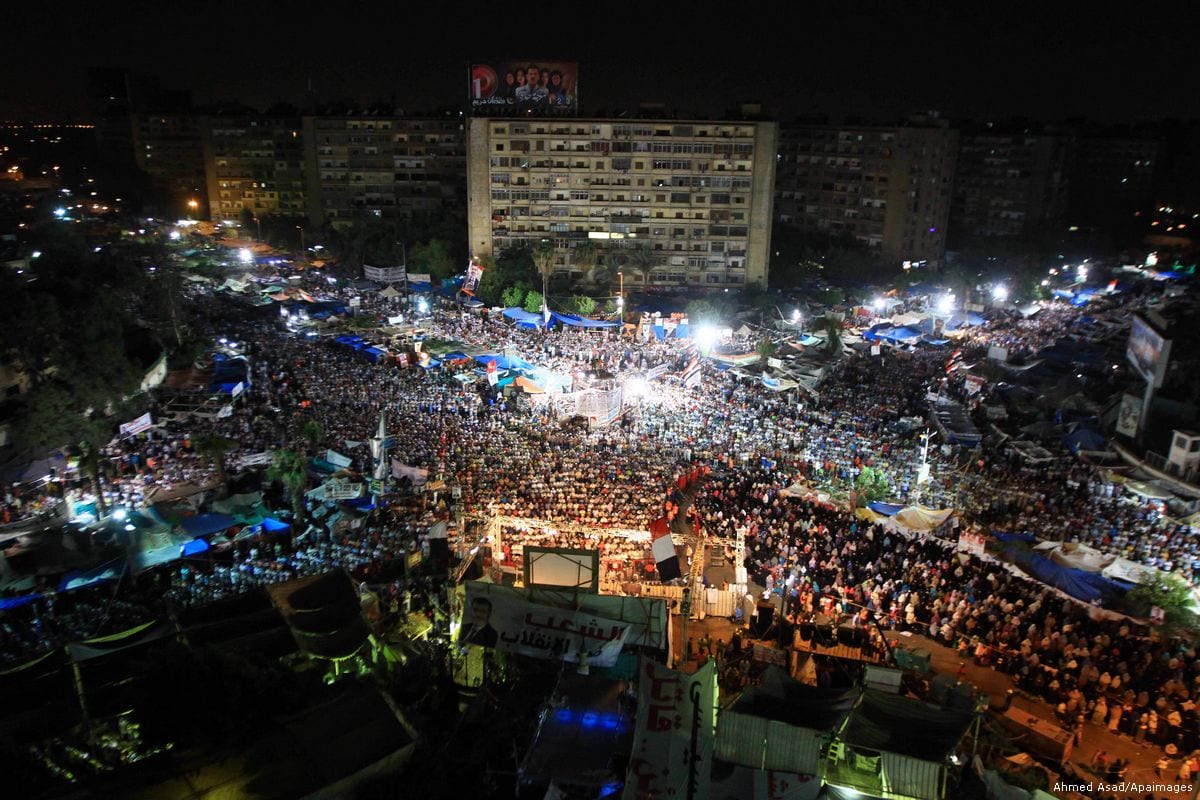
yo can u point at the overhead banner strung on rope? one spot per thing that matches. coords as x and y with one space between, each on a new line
385 274
512 624
676 729
599 406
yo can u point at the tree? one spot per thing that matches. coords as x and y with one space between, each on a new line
702 312
543 259
514 296
583 304
291 469
313 432
832 328
433 257
533 302
585 256
213 447
766 349
872 485
641 261
1172 595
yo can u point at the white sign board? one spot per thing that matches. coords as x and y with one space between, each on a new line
137 425
385 274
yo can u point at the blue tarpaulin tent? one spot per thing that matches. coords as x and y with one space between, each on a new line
78 579
194 548
1080 584
7 603
207 524
1084 438
505 362
583 322
887 509
526 319
272 525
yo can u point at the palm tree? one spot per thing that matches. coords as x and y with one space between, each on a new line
291 469
543 259
832 328
313 432
641 261
585 257
214 447
90 462
766 349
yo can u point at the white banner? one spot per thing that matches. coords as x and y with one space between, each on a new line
384 274
420 277
1129 418
255 460
396 320
238 388
674 711
137 425
418 475
342 490
515 625
355 302
997 353
337 459
972 542
226 411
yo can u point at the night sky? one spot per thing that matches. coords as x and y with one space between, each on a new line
880 61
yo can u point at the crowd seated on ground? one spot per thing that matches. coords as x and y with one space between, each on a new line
513 458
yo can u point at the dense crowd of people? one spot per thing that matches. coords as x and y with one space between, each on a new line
507 456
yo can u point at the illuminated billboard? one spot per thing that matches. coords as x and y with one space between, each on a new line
518 87
1148 351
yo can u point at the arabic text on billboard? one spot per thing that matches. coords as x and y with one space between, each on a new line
506 87
1148 351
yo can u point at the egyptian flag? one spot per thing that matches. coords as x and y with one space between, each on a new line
664 549
493 376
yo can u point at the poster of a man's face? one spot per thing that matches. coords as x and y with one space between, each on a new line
478 630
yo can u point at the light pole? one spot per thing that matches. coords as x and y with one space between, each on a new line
923 472
258 222
303 252
192 204
621 295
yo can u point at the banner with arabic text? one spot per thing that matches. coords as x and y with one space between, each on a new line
515 625
676 729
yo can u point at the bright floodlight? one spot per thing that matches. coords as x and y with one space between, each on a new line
60 212
245 256
635 387
422 306
946 303
174 236
706 337
1000 293
119 515
877 304
796 315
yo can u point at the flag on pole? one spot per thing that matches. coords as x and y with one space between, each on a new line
493 376
692 373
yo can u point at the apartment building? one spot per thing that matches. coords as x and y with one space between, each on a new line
669 202
1009 183
386 167
169 148
889 187
1114 174
254 163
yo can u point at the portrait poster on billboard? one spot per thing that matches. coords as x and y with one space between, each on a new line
474 275
507 87
1129 418
513 624
1148 351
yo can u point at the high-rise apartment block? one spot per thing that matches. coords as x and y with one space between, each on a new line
385 167
888 187
694 197
1010 182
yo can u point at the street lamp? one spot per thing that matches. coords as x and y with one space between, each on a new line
192 204
303 252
